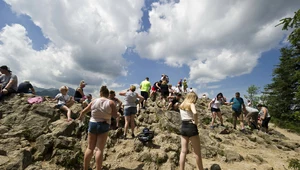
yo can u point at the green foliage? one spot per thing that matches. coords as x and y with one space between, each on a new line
283 94
252 92
294 164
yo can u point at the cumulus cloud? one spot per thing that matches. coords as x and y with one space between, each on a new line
87 40
216 39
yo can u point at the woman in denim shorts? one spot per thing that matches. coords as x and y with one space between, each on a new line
130 108
189 130
102 109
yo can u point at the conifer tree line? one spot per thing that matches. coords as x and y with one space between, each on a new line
283 94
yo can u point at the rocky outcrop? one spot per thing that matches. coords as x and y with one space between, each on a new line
39 137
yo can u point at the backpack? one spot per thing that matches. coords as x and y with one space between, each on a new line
146 135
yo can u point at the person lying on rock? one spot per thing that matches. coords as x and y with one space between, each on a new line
64 101
102 109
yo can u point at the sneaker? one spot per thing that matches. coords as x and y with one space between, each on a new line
123 136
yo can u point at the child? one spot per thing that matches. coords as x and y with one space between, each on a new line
185 86
64 101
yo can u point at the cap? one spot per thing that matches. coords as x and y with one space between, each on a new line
4 67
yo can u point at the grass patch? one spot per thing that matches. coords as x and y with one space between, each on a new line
294 164
292 126
206 120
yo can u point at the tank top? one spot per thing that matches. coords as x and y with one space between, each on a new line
77 94
186 115
101 110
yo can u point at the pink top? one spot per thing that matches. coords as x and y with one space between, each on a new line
101 110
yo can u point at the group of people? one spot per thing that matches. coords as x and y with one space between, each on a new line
107 106
259 118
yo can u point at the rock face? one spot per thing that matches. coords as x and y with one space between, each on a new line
34 137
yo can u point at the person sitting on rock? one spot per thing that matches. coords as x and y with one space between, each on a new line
189 130
214 106
64 101
130 108
79 95
8 81
174 103
87 101
26 87
118 103
102 109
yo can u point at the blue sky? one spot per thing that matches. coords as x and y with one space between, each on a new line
214 45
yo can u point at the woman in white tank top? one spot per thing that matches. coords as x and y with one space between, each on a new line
102 109
189 130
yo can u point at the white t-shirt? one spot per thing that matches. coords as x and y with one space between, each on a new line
216 103
62 99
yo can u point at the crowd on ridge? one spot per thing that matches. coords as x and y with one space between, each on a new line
107 106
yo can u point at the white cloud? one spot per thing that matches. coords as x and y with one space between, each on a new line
216 39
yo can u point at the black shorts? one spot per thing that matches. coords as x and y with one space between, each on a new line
165 94
189 129
215 110
237 114
265 122
145 94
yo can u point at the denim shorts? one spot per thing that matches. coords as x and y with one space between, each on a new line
98 127
189 129
130 111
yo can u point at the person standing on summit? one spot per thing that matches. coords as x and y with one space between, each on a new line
237 105
145 87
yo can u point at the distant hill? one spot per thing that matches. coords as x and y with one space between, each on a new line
52 92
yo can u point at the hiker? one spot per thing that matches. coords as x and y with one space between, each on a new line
25 87
177 89
185 86
214 106
130 108
180 85
174 101
102 109
191 90
118 103
145 87
237 105
79 95
155 88
164 78
189 130
164 91
64 101
8 81
249 103
87 101
251 117
264 117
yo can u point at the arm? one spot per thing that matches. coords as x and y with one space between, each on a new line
265 113
10 83
32 90
80 91
170 97
122 93
209 104
114 111
84 111
195 115
141 98
119 101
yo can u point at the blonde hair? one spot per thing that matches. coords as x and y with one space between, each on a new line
81 83
189 99
104 91
63 88
132 88
164 82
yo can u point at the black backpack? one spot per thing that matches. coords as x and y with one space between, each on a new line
146 135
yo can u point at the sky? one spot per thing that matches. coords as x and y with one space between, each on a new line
218 46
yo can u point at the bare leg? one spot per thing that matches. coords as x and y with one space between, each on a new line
101 141
213 118
132 124
65 108
195 140
92 140
241 121
118 119
127 120
220 117
184 150
234 117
